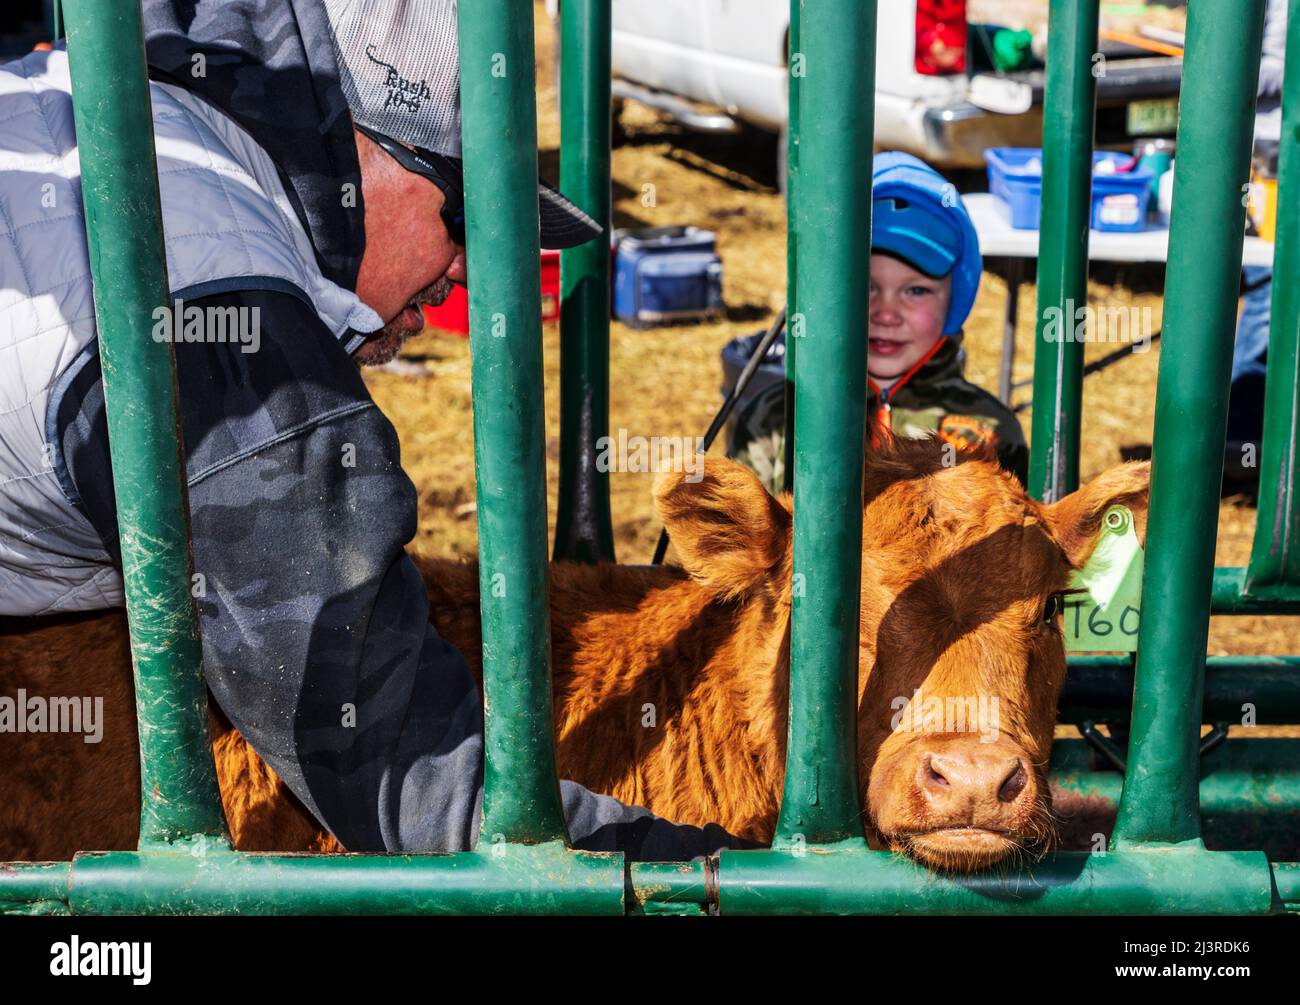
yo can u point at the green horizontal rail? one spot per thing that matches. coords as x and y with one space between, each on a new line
848 880
1101 687
1286 881
507 879
548 879
681 888
34 887
1249 793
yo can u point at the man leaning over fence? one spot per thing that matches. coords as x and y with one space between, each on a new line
308 156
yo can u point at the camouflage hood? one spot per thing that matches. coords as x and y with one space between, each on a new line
271 68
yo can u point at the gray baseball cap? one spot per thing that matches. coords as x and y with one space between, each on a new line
399 65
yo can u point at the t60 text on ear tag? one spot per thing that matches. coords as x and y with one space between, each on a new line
1105 618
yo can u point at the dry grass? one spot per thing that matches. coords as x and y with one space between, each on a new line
665 381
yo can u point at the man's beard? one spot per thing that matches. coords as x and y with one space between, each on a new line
384 345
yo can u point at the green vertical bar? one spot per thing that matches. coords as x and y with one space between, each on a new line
833 231
583 528
1215 128
497 73
1068 120
795 69
1275 557
57 27
119 185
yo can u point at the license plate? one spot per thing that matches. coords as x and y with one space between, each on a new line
1158 115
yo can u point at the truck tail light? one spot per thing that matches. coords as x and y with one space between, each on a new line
940 37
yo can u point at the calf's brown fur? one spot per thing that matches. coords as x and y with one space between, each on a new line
671 684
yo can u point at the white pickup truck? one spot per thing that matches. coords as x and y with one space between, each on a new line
678 55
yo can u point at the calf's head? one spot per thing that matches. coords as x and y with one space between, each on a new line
961 658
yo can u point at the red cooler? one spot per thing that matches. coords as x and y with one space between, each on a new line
453 314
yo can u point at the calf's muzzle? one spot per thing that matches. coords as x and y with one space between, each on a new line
956 802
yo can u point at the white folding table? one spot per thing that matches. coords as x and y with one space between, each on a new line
999 240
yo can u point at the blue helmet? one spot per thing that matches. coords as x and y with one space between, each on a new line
917 215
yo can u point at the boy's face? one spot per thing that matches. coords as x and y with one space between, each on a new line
906 318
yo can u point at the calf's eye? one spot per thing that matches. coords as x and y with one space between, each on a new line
1051 608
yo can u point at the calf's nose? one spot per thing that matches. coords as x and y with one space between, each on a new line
974 783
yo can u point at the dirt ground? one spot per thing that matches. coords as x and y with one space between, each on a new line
665 381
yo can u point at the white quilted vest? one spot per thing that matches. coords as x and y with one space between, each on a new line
228 226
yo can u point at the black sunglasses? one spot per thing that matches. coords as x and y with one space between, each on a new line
443 171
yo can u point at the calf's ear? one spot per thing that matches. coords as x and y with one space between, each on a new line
729 533
1075 521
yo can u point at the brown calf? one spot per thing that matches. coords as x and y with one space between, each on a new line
671 684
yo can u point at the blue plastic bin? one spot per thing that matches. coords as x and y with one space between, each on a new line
1119 201
666 274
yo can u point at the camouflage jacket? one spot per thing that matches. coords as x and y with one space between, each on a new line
314 621
933 400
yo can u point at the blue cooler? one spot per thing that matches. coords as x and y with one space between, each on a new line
667 274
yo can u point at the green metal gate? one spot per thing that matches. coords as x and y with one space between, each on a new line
1158 863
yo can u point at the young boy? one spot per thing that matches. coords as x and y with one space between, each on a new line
925 273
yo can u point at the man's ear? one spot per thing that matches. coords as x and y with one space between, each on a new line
1075 521
729 533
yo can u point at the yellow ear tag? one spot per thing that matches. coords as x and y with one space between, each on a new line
1105 618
